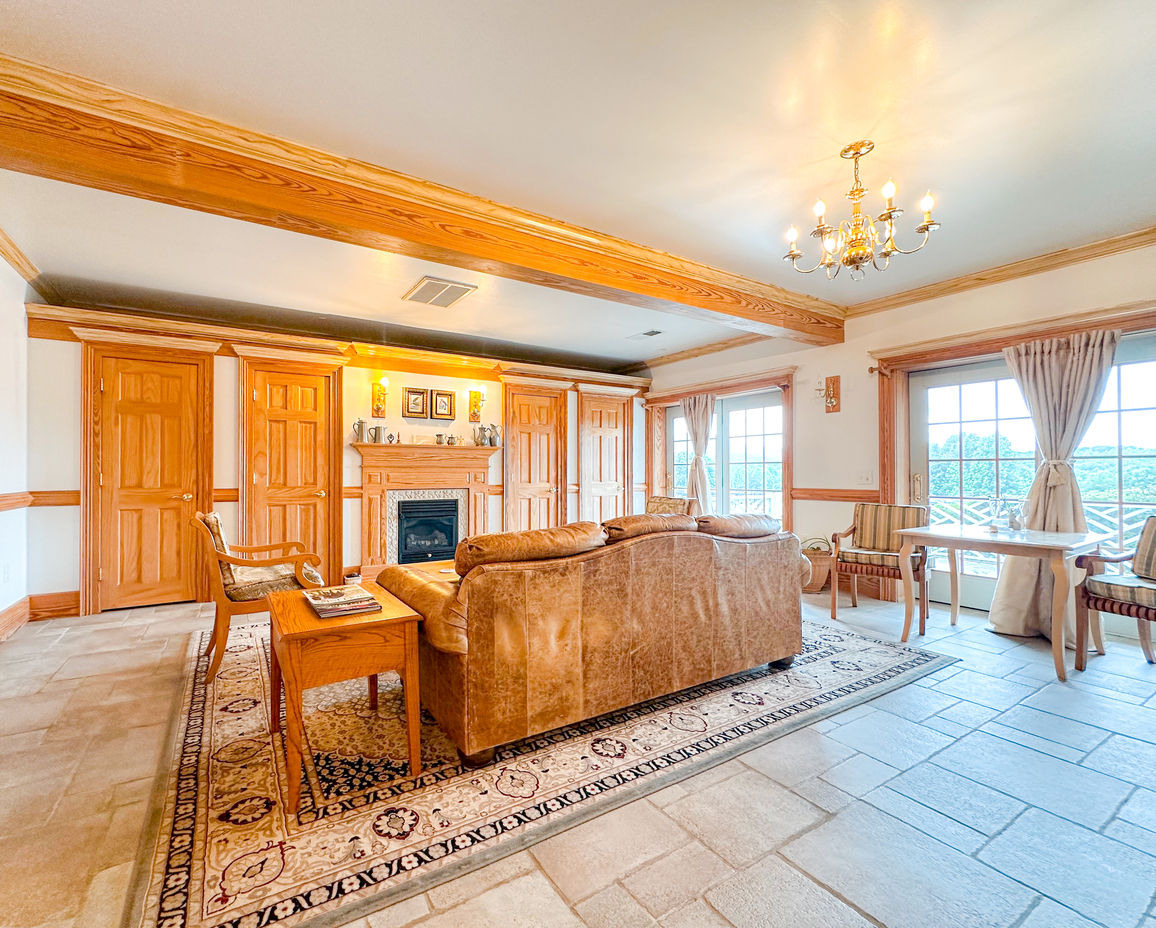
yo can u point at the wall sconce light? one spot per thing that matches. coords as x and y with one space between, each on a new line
829 390
380 392
477 401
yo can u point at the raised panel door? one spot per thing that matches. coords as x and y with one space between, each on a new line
604 447
147 451
288 461
533 442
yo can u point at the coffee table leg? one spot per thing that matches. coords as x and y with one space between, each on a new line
274 691
373 692
412 699
1059 606
908 586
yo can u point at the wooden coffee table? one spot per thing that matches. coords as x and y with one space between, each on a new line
311 651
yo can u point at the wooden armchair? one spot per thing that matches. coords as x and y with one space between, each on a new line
669 505
1131 593
240 584
874 551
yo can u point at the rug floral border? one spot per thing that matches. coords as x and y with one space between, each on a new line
644 778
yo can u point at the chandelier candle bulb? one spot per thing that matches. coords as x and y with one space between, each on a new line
852 243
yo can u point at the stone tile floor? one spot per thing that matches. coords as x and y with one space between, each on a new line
987 794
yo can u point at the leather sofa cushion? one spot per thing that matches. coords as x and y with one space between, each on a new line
535 545
745 526
436 601
632 526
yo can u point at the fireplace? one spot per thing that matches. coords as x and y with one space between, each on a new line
427 530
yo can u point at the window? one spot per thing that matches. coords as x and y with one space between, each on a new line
744 458
980 445
1116 462
972 436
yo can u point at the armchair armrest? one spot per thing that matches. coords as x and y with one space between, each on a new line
1092 562
835 546
280 546
434 600
297 560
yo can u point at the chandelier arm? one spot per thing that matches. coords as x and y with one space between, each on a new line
836 265
926 236
804 270
886 262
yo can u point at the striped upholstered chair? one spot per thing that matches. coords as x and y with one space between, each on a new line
874 551
1131 593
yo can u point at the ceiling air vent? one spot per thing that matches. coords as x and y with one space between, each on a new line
438 292
642 336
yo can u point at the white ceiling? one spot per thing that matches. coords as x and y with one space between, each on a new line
699 128
87 238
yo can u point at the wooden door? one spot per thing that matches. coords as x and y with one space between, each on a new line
534 460
291 461
147 453
604 429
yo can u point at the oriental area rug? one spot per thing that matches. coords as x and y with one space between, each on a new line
226 852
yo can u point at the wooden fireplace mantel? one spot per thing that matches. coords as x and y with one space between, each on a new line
387 467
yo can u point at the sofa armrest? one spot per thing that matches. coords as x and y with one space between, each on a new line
435 600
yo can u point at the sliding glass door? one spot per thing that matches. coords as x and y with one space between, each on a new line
744 459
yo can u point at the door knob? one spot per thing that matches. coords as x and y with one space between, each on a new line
320 493
185 496
553 489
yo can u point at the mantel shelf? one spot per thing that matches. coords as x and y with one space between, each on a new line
433 453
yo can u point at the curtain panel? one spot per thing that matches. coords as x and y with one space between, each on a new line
698 411
1063 382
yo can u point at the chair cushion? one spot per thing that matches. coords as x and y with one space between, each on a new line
212 522
876 522
1124 588
255 582
535 545
739 526
632 526
1144 563
667 505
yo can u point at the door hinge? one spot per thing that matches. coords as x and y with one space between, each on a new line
254 396
102 479
100 573
101 384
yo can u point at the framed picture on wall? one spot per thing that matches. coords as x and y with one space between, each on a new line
414 403
442 402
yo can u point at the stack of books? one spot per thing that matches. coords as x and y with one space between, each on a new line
331 602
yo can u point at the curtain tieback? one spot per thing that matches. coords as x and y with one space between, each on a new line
1056 475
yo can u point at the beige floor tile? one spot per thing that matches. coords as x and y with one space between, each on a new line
674 880
593 855
29 713
105 900
121 758
60 758
859 775
1050 914
696 915
745 817
966 801
797 757
37 885
30 804
472 884
132 660
773 894
21 741
122 841
1126 759
614 907
402 913
530 899
893 740
903 878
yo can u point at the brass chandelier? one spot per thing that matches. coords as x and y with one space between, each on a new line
853 243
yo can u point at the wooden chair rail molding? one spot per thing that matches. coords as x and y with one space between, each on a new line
60 323
72 129
822 494
1142 238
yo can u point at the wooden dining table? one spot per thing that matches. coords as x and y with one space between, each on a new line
1056 549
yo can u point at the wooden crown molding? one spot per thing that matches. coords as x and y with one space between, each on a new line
520 380
23 266
602 389
143 340
72 129
61 322
996 275
731 386
270 353
975 346
713 347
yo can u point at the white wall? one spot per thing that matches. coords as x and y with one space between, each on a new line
833 450
14 428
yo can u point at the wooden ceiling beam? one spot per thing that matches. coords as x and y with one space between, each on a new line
71 129
23 266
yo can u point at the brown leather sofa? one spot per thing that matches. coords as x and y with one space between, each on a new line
518 647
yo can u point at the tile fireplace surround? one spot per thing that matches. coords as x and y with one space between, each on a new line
393 497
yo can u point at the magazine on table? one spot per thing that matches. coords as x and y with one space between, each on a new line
331 601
